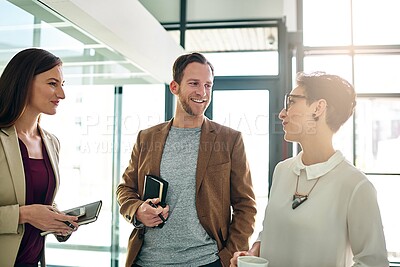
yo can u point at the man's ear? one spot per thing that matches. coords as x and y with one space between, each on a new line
174 87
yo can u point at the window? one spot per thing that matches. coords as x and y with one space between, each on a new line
371 139
375 73
86 163
378 135
375 22
252 119
245 63
84 128
327 23
335 64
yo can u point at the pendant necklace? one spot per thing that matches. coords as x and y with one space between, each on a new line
299 199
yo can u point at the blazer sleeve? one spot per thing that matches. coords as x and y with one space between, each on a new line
242 202
127 191
9 216
9 206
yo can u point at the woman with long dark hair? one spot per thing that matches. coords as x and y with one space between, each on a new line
31 84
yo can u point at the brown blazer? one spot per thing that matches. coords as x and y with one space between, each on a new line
12 190
223 181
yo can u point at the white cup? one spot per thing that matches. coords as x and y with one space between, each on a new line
252 261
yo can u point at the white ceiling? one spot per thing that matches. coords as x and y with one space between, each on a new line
168 11
127 27
232 36
118 42
122 41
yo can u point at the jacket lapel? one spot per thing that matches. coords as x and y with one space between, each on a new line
48 143
207 139
158 146
9 140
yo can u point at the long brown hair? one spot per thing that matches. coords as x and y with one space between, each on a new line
16 81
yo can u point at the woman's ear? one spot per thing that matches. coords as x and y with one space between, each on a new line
320 108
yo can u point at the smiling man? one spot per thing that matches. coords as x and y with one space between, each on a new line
211 208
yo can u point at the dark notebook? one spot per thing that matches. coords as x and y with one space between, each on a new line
155 187
91 212
86 213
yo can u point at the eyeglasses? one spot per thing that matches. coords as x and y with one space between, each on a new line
288 100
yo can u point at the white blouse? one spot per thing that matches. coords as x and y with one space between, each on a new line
338 226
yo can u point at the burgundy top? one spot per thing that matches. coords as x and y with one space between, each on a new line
40 185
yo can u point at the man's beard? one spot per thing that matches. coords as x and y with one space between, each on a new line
186 107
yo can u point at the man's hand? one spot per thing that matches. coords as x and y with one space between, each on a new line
149 215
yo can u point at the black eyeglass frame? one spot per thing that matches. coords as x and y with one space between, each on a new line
287 100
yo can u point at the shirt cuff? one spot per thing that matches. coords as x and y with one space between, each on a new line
137 224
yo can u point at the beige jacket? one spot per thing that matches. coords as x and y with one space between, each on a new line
12 190
222 181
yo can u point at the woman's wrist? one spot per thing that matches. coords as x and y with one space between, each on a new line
23 215
255 249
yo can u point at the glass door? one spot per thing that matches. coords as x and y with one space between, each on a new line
248 104
247 112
